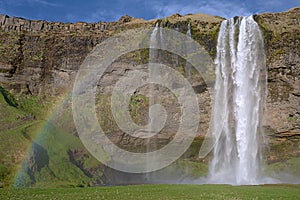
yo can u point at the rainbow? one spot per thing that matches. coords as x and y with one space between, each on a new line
40 134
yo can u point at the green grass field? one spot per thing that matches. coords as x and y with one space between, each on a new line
144 192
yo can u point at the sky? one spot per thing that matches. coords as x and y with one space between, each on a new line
112 10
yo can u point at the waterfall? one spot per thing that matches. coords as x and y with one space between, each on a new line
238 103
187 65
154 44
156 40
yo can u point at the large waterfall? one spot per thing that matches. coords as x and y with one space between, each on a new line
238 103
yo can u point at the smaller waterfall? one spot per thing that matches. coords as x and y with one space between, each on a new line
154 44
187 65
238 104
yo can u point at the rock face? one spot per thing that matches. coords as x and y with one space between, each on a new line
19 24
43 57
282 40
44 61
40 57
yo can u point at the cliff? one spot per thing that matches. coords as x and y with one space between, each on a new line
282 39
39 61
40 57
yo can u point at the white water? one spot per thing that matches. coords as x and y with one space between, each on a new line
187 65
238 104
153 44
153 72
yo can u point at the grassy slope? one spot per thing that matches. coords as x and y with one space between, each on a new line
145 192
59 171
12 149
17 139
15 130
287 170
